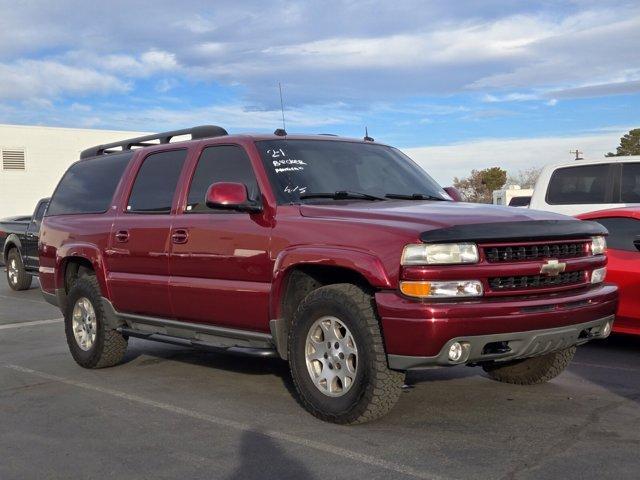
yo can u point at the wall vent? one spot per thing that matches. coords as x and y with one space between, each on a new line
13 159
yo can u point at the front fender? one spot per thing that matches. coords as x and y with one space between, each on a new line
364 263
12 240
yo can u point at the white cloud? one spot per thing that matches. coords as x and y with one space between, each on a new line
45 79
457 160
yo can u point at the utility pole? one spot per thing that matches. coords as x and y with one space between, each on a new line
577 153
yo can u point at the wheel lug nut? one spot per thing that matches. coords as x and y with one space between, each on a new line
326 355
331 366
338 366
341 355
328 344
337 345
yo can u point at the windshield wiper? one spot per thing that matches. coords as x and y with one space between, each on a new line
414 196
341 194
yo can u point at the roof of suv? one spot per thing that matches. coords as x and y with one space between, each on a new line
575 163
200 133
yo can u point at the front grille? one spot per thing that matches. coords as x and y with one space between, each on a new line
511 253
499 284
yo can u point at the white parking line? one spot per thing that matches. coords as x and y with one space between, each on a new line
30 324
243 427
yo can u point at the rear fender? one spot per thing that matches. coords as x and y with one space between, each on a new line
364 263
11 241
91 253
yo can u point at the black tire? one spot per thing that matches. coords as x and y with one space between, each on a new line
22 279
531 371
109 346
376 388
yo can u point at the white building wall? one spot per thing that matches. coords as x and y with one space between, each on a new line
48 153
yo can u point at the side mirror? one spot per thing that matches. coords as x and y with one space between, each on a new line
454 193
230 196
637 243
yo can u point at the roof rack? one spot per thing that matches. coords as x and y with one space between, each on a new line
202 131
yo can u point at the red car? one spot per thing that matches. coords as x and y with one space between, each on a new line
624 262
341 256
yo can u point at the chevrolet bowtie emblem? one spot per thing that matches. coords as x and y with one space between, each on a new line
553 268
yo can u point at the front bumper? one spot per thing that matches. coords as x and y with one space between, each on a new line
420 329
513 346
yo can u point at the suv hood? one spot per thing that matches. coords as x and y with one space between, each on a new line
424 216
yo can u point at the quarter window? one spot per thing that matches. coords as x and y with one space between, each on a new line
622 232
156 182
224 163
579 185
630 185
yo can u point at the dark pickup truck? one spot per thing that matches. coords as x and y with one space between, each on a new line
19 240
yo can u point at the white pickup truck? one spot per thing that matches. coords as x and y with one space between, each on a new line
587 185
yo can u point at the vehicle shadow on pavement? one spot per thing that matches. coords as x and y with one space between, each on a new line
261 457
613 364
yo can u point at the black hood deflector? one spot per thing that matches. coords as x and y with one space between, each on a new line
525 231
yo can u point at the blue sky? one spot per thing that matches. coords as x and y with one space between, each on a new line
420 75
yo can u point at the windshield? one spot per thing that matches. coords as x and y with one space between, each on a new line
307 167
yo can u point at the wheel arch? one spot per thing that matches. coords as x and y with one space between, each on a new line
12 241
71 259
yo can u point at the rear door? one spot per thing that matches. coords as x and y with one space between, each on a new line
138 256
30 246
220 267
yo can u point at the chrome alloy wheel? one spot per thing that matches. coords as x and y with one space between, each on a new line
84 323
332 356
12 270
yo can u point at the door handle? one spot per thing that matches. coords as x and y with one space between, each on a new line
179 236
122 236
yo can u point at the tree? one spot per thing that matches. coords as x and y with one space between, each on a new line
479 186
525 178
629 144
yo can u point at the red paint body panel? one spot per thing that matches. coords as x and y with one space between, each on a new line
623 270
229 268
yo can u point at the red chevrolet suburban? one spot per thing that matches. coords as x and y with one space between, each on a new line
341 256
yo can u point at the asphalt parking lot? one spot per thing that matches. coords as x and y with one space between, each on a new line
169 412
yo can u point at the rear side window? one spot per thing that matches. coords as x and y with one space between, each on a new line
520 202
88 186
630 184
622 232
156 182
579 185
224 163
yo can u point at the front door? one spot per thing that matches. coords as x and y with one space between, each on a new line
138 254
219 264
32 234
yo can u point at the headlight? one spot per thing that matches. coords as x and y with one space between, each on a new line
440 254
598 245
442 289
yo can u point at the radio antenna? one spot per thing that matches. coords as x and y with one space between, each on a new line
284 127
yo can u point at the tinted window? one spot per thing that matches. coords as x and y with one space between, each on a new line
298 167
88 186
520 201
40 211
630 185
578 185
622 232
226 163
156 182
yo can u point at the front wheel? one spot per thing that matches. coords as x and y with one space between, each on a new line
91 342
337 357
17 276
531 371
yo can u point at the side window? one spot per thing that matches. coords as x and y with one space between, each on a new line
224 163
34 226
630 185
622 232
156 182
579 185
88 185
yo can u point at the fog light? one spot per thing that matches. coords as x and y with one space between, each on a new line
597 276
606 330
459 351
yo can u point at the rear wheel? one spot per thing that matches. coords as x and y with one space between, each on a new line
91 342
531 371
337 357
17 276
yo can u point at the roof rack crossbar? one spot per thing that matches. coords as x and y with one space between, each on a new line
202 131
